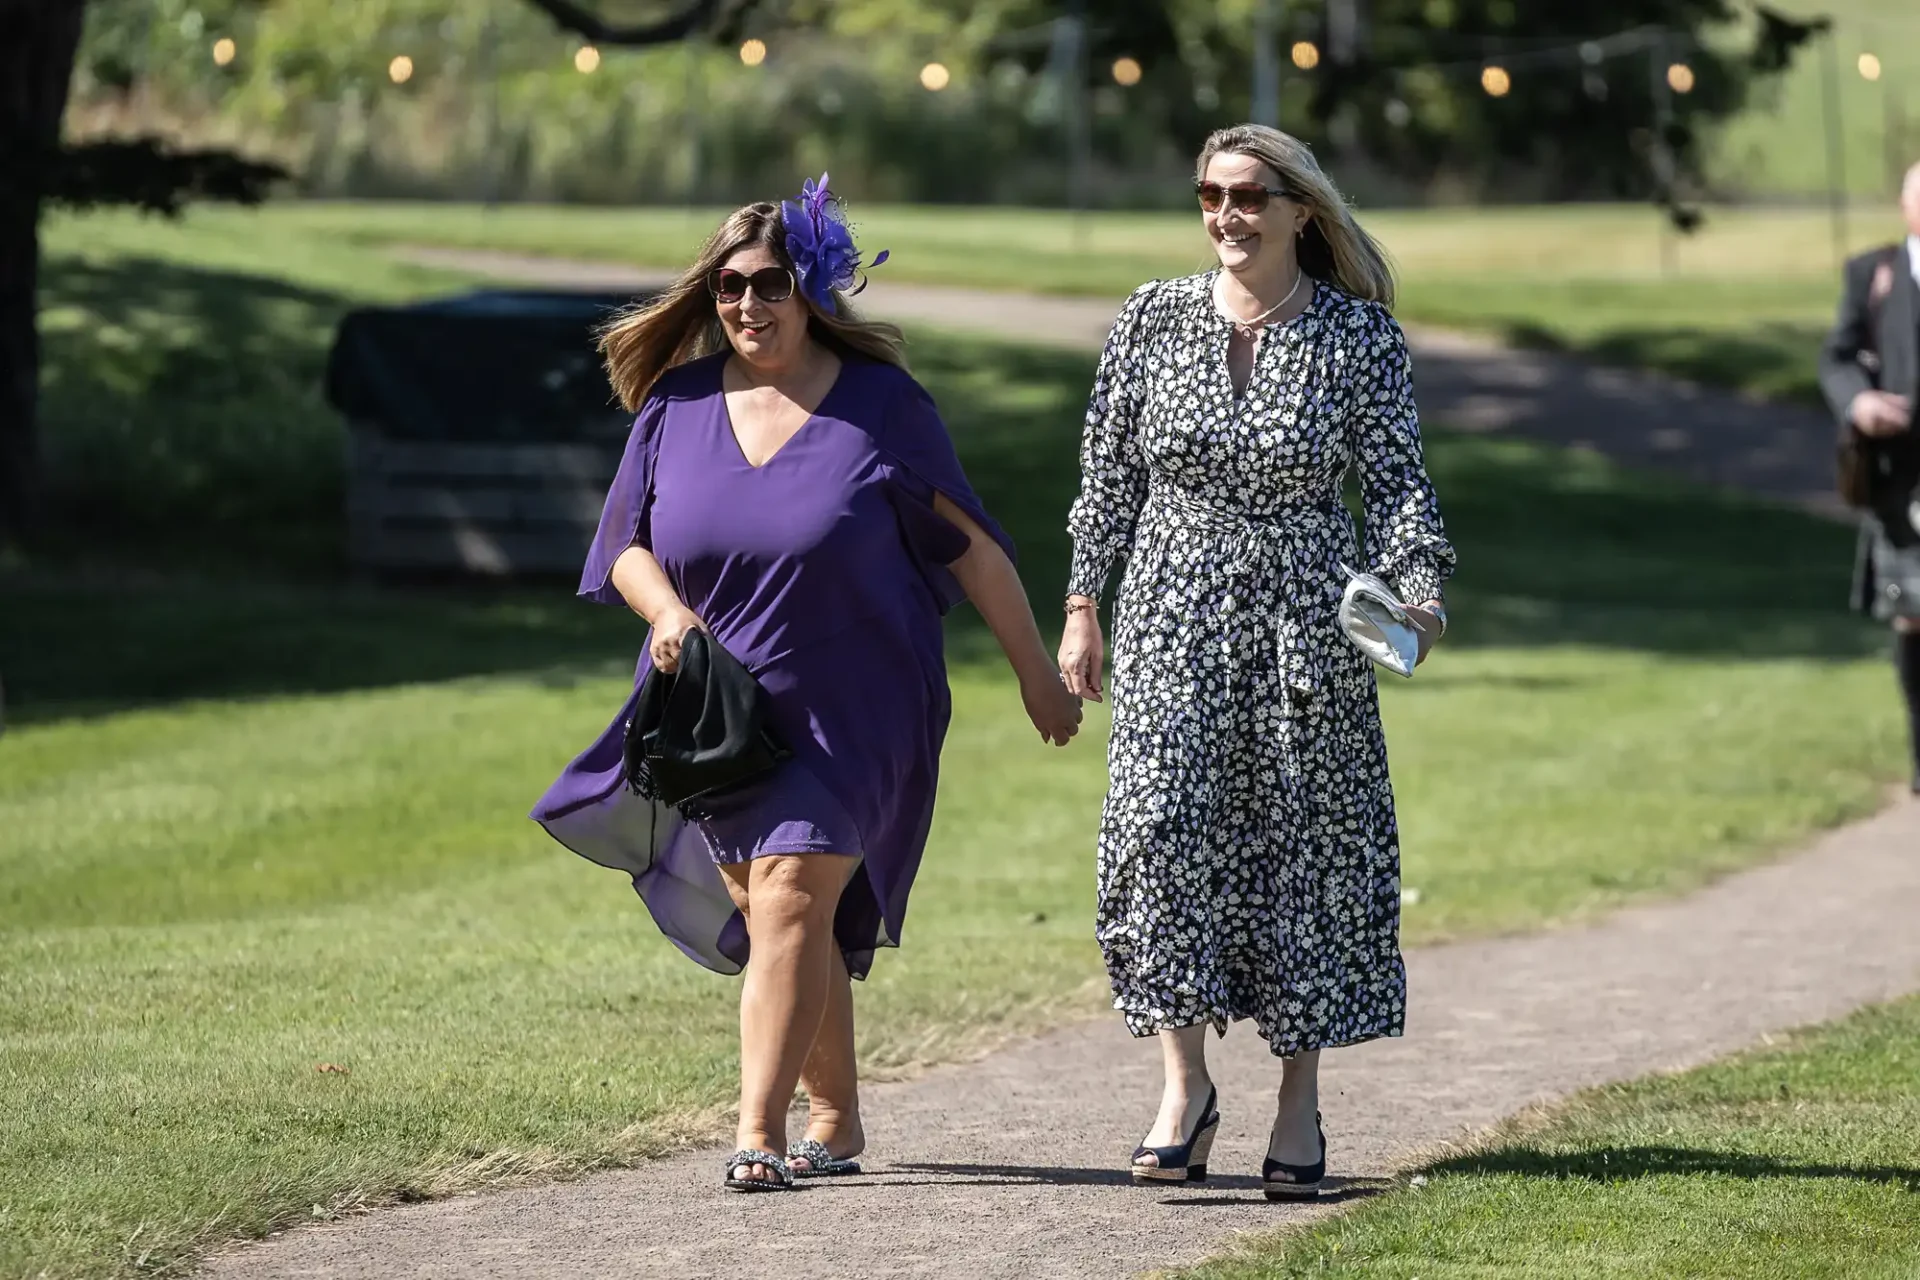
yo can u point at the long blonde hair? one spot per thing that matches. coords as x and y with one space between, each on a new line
683 324
1333 247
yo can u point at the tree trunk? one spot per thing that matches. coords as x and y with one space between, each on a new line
38 42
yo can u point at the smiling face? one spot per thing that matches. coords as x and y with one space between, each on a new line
767 335
1252 242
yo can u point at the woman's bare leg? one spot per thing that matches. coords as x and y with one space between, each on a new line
1296 1128
831 1077
1184 1054
789 902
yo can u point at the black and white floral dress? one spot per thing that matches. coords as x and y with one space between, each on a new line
1249 860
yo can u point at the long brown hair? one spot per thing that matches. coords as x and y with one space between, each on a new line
1333 247
683 324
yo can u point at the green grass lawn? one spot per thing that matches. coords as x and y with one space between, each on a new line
1792 1162
254 822
181 388
1749 299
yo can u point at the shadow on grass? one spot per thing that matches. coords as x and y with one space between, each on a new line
1336 1191
1624 1164
1751 333
183 416
94 646
217 434
1774 359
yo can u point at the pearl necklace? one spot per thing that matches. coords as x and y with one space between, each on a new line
1249 329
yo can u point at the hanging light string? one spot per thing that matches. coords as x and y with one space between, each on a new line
1506 53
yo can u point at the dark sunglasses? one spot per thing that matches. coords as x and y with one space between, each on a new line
769 284
1247 197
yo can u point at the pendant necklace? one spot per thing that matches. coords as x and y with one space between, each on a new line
1250 329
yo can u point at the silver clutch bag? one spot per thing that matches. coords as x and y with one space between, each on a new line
1376 623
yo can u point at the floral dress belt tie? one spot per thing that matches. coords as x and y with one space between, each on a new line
1257 552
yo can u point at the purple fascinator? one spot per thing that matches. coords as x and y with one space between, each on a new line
821 244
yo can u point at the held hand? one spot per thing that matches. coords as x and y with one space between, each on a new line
1428 628
1055 712
669 630
1082 654
1878 414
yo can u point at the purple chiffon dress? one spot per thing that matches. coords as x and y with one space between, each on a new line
824 571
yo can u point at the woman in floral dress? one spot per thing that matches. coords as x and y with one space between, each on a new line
1249 856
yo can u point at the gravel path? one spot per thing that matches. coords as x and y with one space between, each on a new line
1015 1166
1467 382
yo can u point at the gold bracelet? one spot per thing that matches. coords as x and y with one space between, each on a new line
1076 606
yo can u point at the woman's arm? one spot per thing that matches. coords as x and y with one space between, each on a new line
1406 542
644 585
1113 488
994 587
1113 474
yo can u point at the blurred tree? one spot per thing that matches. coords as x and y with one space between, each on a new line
38 39
1588 106
1575 99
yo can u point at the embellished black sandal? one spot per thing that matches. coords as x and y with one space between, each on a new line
821 1163
1296 1181
1186 1161
746 1159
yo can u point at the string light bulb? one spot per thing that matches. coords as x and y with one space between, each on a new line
223 51
1869 67
586 60
1495 81
1306 55
400 70
753 51
1680 78
934 77
1126 72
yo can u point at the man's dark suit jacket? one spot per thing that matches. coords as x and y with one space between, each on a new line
1875 345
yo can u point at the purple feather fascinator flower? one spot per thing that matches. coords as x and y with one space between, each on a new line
821 244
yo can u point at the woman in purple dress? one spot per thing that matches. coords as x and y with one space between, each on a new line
789 489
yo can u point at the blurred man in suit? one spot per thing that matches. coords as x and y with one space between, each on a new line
1870 373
